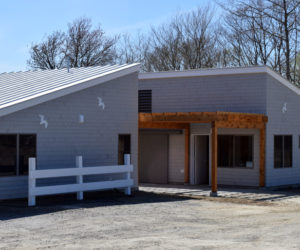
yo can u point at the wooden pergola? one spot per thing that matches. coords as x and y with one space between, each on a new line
182 120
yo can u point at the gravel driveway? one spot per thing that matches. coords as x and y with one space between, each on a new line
148 221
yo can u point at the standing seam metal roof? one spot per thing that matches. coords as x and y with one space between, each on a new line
21 85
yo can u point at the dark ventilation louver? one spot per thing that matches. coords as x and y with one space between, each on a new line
145 101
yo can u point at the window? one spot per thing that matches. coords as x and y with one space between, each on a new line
27 149
123 148
8 155
283 151
14 153
235 151
225 150
145 101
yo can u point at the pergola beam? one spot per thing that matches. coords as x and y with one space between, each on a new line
206 117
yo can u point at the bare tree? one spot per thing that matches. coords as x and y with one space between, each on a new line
198 45
87 46
266 32
49 53
246 33
134 50
83 45
187 41
165 44
284 13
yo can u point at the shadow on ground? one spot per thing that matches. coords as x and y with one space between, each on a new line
235 192
13 209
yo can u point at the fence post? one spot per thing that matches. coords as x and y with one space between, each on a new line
31 181
127 162
127 159
79 177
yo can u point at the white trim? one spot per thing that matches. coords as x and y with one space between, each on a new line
202 72
67 89
283 81
220 71
63 172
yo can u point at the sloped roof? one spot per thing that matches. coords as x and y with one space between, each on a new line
19 90
218 72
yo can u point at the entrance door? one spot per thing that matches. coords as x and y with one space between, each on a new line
201 157
153 158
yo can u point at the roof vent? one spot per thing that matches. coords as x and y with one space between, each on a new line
68 63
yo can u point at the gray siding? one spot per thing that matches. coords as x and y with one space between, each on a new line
282 124
235 93
176 158
96 139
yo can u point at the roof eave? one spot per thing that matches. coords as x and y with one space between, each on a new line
203 72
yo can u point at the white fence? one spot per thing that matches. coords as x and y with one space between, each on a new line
79 172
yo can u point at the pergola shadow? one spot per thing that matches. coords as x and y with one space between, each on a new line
252 194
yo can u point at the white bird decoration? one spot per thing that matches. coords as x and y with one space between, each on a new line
101 103
284 108
43 121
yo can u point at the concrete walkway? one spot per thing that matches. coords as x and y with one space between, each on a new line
249 194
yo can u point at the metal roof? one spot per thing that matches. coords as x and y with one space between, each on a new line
24 89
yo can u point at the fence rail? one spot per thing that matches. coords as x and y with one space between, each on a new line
79 172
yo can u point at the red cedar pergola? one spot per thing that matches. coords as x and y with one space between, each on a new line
182 120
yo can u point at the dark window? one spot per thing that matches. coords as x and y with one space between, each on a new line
8 155
145 101
14 153
123 148
225 150
27 149
243 151
235 151
283 151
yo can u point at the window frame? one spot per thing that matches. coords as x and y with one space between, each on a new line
234 166
283 151
17 137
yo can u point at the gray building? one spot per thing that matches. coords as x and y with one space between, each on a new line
231 126
56 115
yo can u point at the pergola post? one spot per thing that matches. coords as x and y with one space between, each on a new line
262 156
214 160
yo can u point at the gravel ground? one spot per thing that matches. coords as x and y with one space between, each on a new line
148 221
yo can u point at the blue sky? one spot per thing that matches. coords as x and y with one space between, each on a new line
23 22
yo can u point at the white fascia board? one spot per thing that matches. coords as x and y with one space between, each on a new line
67 89
218 72
283 81
202 72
